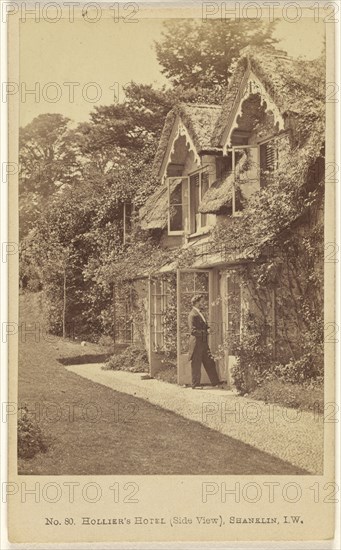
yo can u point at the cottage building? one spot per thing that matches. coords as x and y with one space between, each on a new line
211 162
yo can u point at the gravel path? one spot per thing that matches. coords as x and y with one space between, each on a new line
292 435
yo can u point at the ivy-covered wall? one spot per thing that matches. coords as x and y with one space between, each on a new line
140 312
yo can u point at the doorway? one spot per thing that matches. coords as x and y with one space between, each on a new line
231 303
190 283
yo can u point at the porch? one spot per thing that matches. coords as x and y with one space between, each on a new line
170 297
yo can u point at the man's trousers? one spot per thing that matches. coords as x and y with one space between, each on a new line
202 355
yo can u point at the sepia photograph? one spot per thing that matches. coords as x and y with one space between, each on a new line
170 241
173 258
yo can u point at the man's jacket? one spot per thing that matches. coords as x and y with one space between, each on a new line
198 332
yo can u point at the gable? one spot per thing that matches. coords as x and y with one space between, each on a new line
285 86
249 86
195 122
187 145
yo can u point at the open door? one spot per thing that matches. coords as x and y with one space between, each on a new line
161 323
230 289
189 283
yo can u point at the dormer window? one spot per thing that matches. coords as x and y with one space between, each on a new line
178 205
199 184
185 194
252 167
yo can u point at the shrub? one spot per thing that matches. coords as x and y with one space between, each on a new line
30 437
254 357
248 375
297 371
307 396
106 342
131 359
255 362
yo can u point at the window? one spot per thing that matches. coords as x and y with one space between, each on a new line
252 166
184 198
123 319
159 302
194 184
199 184
177 205
268 153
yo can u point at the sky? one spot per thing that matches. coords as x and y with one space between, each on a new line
74 66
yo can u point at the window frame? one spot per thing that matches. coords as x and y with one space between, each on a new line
169 179
158 312
188 230
201 171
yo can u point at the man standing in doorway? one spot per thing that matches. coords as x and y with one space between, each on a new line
199 351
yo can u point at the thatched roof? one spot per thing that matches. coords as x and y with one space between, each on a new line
164 139
154 213
200 121
291 83
218 195
232 96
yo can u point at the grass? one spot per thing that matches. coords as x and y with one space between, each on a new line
92 429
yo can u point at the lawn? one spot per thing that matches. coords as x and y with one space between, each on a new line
91 429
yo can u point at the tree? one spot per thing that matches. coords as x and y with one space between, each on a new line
132 123
47 156
200 54
71 232
48 160
65 240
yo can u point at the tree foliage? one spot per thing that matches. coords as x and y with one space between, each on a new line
47 154
48 161
72 219
200 54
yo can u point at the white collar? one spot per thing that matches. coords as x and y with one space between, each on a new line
201 315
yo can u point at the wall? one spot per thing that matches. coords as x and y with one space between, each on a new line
171 241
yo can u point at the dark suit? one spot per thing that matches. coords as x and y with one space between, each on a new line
198 350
